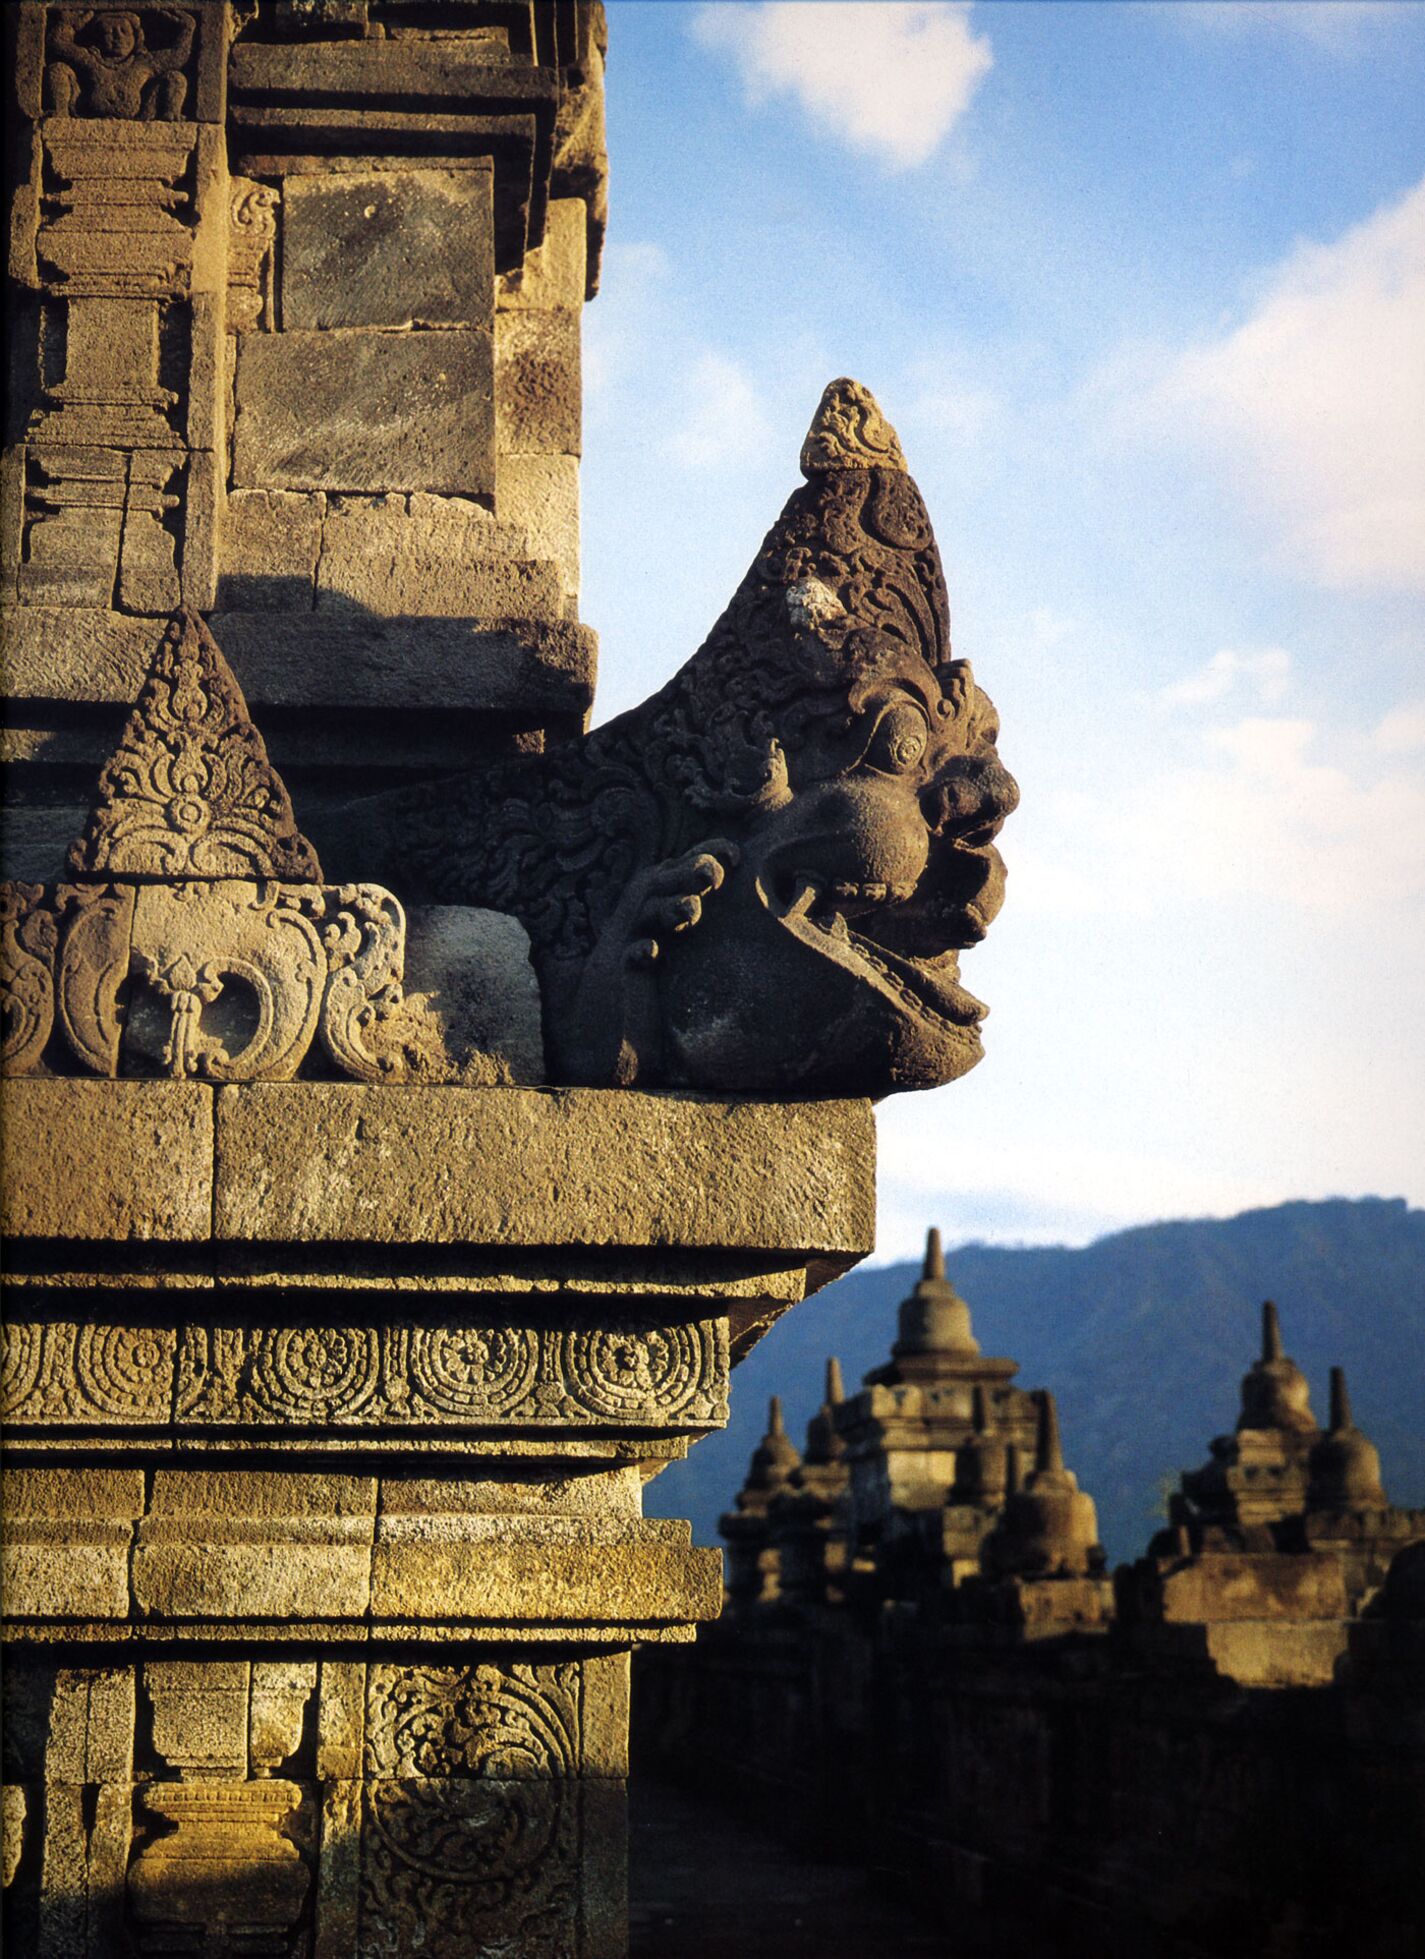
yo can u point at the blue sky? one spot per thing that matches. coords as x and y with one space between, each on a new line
1142 288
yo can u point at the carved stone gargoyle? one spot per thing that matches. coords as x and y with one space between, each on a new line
762 877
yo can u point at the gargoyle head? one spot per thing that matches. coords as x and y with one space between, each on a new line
825 730
761 878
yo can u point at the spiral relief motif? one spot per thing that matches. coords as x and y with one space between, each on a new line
472 1370
21 1352
632 1374
314 1373
126 1370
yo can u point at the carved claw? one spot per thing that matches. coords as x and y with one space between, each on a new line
672 895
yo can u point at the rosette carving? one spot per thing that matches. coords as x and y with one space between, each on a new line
505 1722
314 1373
642 1374
126 1371
474 1371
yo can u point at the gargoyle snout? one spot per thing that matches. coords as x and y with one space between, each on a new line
970 799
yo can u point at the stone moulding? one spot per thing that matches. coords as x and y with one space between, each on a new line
448 1376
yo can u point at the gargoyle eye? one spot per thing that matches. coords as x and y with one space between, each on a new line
900 739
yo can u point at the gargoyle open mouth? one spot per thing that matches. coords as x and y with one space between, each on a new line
818 911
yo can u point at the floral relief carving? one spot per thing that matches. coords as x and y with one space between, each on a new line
28 934
189 792
450 1376
505 1722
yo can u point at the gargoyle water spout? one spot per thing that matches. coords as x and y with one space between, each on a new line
761 878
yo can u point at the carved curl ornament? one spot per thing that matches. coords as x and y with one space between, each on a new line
195 938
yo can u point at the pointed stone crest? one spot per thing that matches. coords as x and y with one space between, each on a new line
190 792
848 431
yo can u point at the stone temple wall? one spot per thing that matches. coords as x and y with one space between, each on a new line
923 1667
413 1103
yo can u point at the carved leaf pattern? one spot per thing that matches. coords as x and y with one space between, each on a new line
190 791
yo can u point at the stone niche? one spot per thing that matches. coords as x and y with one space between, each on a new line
390 1189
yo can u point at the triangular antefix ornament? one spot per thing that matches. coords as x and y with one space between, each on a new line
189 792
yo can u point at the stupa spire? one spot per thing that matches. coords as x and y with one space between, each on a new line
1340 1401
1272 1348
835 1389
934 1266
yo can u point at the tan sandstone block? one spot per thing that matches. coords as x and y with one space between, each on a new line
537 386
271 541
554 272
67 1534
379 559
467 1568
199 1713
314 1161
540 494
107 1160
242 1544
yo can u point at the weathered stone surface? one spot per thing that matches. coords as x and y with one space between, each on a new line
536 668
271 540
67 1534
277 1711
388 249
255 1545
358 409
540 494
528 1166
199 1712
107 1160
391 563
479 1568
537 383
473 970
554 273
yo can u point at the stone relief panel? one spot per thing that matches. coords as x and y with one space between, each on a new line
450 1376
130 63
470 1829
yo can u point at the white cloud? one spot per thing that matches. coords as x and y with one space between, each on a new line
1317 402
1267 809
1266 672
1402 731
722 419
883 76
1332 24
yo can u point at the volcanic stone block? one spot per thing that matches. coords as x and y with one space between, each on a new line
67 1535
363 409
554 273
537 383
107 1160
326 1161
397 249
378 558
540 494
271 542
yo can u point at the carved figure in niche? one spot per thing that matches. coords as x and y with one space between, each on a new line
762 877
104 65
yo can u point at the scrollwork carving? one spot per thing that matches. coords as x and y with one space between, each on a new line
501 1722
190 793
21 1361
28 935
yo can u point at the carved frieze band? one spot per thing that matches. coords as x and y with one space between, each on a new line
387 1377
